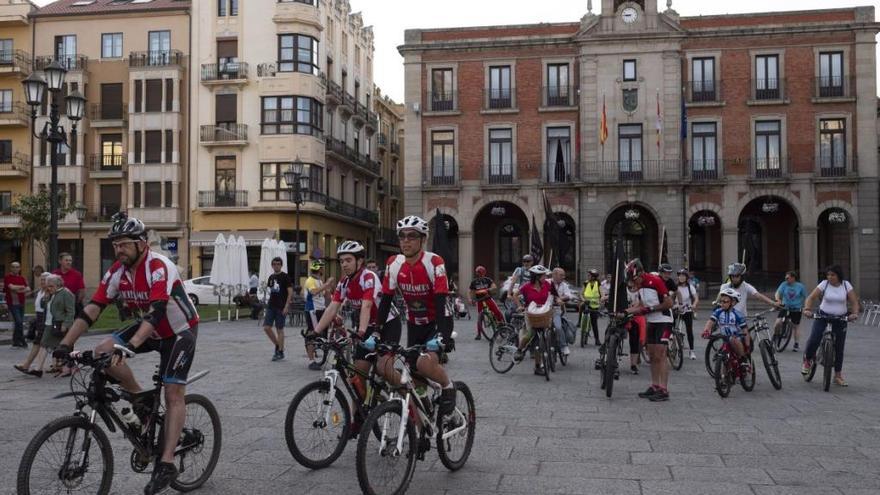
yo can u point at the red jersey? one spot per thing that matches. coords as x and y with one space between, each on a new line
652 292
361 286
418 283
155 279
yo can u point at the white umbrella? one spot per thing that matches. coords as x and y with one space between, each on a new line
281 252
242 268
218 266
266 255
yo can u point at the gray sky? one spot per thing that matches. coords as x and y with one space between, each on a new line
390 18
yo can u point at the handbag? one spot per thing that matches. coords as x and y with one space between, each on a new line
56 329
32 330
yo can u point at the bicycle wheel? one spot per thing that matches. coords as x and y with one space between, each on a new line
674 352
722 384
502 348
585 329
200 442
782 338
748 380
551 340
712 348
381 467
544 349
610 365
809 376
458 431
63 458
317 431
827 363
770 364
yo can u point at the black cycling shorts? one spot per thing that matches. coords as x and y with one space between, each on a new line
420 334
794 316
176 353
655 333
390 334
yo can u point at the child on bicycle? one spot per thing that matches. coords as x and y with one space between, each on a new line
481 291
731 323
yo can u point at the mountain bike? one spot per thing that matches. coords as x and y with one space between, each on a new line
585 324
763 341
318 423
72 453
713 345
489 322
729 369
827 350
402 429
502 348
782 333
611 351
675 346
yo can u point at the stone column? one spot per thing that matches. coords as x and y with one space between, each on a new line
867 239
465 260
809 243
729 243
413 162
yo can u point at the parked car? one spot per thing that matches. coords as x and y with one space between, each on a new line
200 290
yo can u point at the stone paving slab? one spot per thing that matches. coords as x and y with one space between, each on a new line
533 437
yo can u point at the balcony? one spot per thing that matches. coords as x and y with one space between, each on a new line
348 106
499 177
108 114
101 213
16 165
442 101
70 62
395 149
351 211
560 173
107 166
228 73
382 141
704 93
631 171
499 99
768 92
558 96
8 220
395 192
224 135
769 168
442 180
832 89
372 122
341 151
359 115
156 58
14 114
334 93
15 62
706 170
838 167
223 199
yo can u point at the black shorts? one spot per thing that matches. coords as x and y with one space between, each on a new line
655 332
176 353
390 334
794 316
420 334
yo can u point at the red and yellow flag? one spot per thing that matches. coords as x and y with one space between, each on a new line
603 125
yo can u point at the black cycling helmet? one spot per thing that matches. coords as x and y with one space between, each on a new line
684 272
127 227
736 269
665 268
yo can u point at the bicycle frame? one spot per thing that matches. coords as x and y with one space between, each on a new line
341 366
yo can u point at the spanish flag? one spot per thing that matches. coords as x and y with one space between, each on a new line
603 125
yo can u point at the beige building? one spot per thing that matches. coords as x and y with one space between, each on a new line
131 61
282 81
389 202
15 135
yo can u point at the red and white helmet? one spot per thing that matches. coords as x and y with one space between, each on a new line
413 222
634 269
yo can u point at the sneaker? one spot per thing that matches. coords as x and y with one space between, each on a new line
163 475
647 394
566 351
276 355
659 396
540 371
795 348
314 366
518 355
634 369
807 366
478 337
446 404
281 354
692 355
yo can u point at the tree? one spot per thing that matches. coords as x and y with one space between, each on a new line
34 212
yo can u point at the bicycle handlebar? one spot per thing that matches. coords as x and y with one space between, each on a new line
823 316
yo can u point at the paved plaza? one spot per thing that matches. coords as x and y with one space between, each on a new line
561 437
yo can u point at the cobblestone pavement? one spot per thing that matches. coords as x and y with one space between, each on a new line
560 437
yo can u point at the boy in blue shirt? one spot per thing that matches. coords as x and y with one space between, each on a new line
731 323
791 295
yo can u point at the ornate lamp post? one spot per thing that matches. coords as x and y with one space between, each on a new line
292 178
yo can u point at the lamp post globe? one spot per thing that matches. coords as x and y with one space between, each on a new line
34 89
76 104
55 74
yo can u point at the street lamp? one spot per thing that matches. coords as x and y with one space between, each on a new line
34 89
292 178
80 210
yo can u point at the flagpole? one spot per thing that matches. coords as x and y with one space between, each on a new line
662 238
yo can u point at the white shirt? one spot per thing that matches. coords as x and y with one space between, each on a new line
38 299
563 289
746 290
685 297
834 298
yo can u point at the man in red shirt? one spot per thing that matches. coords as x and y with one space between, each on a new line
654 300
73 279
15 289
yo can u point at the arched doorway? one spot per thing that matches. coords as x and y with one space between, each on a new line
768 234
638 228
834 240
704 246
501 238
565 253
451 256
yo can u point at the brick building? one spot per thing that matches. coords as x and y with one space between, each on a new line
749 135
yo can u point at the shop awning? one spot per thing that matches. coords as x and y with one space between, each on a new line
251 237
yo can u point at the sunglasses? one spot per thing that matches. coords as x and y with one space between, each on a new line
118 244
409 236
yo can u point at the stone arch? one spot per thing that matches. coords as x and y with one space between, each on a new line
488 199
704 206
822 207
793 201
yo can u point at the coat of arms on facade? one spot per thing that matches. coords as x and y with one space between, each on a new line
630 100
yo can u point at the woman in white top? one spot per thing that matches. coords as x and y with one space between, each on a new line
40 301
686 295
836 297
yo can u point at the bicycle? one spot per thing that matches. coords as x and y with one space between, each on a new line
502 348
325 417
402 429
488 320
728 369
611 351
585 323
764 342
675 346
75 447
713 345
827 351
782 334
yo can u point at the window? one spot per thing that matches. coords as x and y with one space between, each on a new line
831 74
767 82
169 95
629 70
297 53
768 150
138 146
137 195
227 59
5 202
442 157
152 194
355 196
111 45
499 87
7 51
169 146
169 194
510 247
159 43
153 146
222 8
441 90
111 101
6 151
273 187
65 50
292 115
5 100
832 147
225 110
307 2
558 85
138 95
558 167
154 95
111 151
629 148
111 201
703 83
224 180
704 150
501 156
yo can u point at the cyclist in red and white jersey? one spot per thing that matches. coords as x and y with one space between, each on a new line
149 283
420 276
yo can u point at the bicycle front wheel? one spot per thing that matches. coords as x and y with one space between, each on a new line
827 363
455 434
502 348
722 383
770 364
200 441
674 353
712 348
69 455
610 365
382 467
317 425
782 338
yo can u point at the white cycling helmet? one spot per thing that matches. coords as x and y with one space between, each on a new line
413 222
539 270
351 247
731 293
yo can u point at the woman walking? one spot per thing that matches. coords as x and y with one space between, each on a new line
40 300
59 317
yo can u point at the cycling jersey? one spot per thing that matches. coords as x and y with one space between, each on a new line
652 292
155 279
730 323
418 283
357 288
314 302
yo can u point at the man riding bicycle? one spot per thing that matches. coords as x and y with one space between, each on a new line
737 272
149 282
420 276
563 295
592 298
481 291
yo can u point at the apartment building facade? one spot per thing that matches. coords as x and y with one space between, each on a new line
130 152
282 84
15 130
389 141
747 136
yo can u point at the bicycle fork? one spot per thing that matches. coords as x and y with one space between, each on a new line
67 473
331 376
